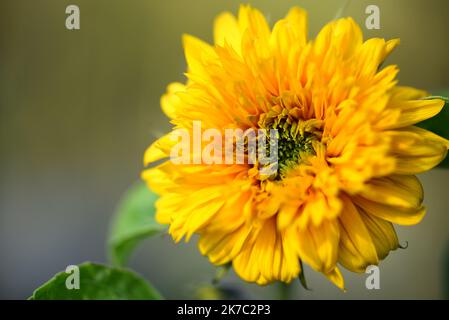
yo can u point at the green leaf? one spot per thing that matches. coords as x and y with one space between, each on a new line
440 123
302 277
97 282
134 222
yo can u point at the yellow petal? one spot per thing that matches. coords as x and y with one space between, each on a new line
396 190
290 31
286 215
246 264
265 248
416 150
232 215
401 93
157 179
264 258
398 215
413 143
372 54
297 20
382 233
290 267
221 248
318 208
428 135
170 102
160 149
415 111
336 278
418 164
201 215
202 206
318 246
168 206
226 31
390 46
198 54
357 250
253 21
342 35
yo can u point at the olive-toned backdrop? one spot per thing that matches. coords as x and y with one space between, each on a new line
78 108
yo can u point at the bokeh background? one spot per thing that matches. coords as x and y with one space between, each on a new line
78 108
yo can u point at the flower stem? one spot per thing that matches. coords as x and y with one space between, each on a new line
285 291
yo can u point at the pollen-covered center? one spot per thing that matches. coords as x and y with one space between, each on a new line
293 141
292 149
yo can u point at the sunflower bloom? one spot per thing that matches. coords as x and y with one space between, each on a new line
348 148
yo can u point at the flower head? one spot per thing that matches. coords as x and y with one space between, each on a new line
348 150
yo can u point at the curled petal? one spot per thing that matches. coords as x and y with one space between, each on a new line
357 250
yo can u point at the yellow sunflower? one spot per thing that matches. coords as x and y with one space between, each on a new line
348 148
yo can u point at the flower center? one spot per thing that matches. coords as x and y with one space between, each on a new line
294 143
293 150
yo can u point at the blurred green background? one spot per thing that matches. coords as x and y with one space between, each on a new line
78 108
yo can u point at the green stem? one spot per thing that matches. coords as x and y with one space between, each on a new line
285 291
